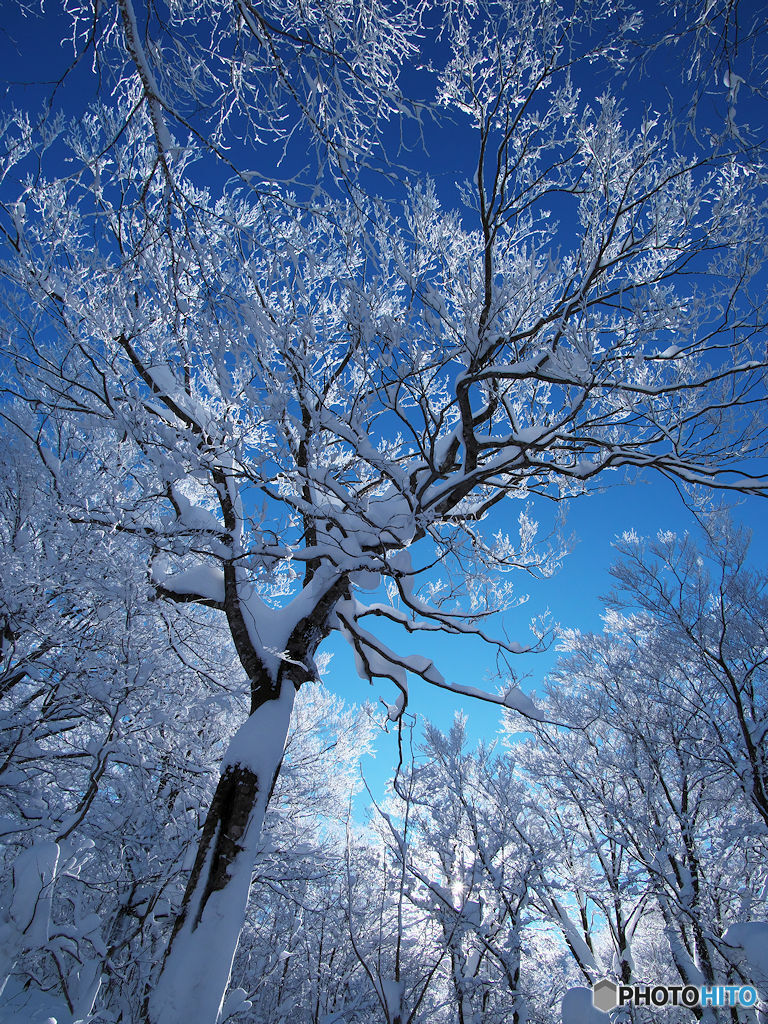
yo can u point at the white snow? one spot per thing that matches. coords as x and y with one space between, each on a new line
516 700
195 517
365 580
392 994
27 922
751 938
153 95
528 435
573 935
395 711
194 981
260 741
205 581
33 873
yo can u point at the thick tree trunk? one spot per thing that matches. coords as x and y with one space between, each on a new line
195 972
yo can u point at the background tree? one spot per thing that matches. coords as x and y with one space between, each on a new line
702 609
102 773
643 779
475 869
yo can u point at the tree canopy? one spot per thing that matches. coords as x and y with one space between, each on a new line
250 335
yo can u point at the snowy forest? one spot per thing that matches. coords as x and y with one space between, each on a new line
317 320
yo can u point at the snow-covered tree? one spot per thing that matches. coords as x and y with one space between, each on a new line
401 952
106 771
702 611
290 398
295 962
103 772
474 868
665 836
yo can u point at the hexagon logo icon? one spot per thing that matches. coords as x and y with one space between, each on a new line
605 995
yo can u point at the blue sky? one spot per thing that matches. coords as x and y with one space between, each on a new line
572 597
